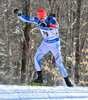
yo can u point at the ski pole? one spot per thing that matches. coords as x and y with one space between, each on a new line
67 44
72 48
26 43
50 5
24 38
51 13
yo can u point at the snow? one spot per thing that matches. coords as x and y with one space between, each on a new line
14 92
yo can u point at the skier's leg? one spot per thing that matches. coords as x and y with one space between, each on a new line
55 49
59 64
42 50
57 54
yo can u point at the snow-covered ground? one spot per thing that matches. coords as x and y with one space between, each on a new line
8 92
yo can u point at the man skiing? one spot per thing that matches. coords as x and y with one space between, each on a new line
51 42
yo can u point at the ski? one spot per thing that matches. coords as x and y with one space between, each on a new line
32 84
39 84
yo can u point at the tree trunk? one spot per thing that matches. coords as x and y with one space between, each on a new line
25 57
77 27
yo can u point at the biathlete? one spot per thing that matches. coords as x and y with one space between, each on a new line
51 42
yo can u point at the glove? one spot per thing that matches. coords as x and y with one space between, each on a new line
16 11
44 25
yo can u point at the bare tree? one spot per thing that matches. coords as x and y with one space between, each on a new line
77 28
25 57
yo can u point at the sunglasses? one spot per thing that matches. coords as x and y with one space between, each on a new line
41 18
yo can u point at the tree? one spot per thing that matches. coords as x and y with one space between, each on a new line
77 28
25 57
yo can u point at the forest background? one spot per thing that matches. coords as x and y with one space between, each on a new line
15 64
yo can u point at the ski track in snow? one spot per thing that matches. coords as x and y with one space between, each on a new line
10 92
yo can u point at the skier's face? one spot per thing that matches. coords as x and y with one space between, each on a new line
42 19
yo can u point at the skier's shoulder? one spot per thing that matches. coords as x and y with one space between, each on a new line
52 19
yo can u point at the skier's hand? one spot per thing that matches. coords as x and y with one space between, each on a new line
16 11
44 25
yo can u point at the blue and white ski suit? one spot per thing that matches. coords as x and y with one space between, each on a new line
50 42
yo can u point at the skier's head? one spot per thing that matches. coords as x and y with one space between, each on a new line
41 14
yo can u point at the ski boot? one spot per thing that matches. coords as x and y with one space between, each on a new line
39 79
68 83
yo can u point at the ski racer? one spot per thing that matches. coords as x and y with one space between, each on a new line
51 42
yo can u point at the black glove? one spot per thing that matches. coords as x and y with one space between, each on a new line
44 25
16 11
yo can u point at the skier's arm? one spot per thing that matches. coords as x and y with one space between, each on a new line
24 18
53 23
28 19
53 26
